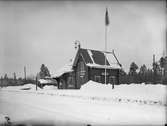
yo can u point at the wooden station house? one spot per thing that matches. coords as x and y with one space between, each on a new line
88 65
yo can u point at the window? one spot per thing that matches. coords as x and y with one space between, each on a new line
82 66
97 78
82 69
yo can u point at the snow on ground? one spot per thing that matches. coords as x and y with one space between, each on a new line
2 119
138 92
94 103
49 87
134 93
22 87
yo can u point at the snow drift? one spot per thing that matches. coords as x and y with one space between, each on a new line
94 103
134 93
22 87
147 93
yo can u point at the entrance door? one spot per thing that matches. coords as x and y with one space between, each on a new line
62 84
70 82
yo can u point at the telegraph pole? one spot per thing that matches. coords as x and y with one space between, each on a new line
165 53
24 73
154 69
14 77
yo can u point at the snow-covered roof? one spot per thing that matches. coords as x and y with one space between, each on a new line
92 58
111 62
114 66
45 81
96 59
65 69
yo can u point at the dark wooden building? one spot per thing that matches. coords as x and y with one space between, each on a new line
89 65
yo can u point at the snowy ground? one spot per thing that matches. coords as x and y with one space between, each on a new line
94 104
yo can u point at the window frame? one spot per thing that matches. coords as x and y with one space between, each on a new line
82 66
82 69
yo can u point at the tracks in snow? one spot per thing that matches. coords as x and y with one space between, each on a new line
95 98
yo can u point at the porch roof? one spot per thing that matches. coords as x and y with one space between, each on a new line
65 69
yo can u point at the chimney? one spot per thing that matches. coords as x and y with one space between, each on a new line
77 44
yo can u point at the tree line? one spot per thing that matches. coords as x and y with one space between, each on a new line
157 74
14 81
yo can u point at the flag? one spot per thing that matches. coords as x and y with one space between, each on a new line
106 18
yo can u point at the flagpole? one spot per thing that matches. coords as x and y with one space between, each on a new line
105 53
106 24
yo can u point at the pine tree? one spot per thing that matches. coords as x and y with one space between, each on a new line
133 68
163 65
132 73
6 77
44 72
143 69
142 73
122 72
14 76
123 78
162 61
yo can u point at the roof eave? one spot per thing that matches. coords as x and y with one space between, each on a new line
102 67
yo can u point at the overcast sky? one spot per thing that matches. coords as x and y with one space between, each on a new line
32 33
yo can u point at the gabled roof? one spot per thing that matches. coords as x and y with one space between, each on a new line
95 58
92 58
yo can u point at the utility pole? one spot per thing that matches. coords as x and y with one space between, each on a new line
24 73
14 77
154 68
165 47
